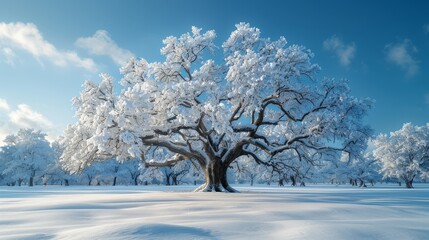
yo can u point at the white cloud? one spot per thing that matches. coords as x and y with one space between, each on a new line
101 44
25 117
11 120
345 52
4 105
26 36
400 54
9 55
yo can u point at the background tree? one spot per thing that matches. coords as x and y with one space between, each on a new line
173 174
92 175
247 170
262 100
133 169
5 179
113 172
365 169
404 154
151 176
27 155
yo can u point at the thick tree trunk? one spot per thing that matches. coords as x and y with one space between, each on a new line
174 180
213 177
216 178
281 184
66 182
293 179
114 181
167 180
136 180
409 183
224 181
31 182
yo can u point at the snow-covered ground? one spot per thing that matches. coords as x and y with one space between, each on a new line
313 212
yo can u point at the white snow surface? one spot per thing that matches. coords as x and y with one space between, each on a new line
263 212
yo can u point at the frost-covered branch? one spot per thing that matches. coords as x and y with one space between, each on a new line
166 163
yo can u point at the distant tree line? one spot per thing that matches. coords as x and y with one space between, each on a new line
27 158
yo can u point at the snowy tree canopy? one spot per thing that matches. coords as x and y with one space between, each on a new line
404 154
262 101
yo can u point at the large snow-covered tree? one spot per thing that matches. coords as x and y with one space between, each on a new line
404 154
261 100
27 156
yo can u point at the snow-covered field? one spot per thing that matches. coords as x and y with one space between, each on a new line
313 212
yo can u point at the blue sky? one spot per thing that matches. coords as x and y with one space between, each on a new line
49 48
